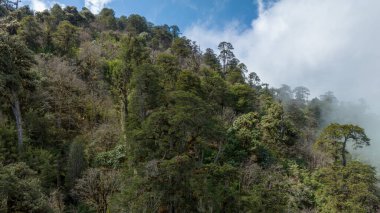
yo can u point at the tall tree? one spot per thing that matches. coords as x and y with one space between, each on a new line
15 63
334 138
226 54
120 71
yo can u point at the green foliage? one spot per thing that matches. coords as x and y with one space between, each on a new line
244 139
16 77
333 140
226 55
210 59
136 24
31 32
44 163
189 82
8 148
147 92
119 115
243 98
106 19
181 47
76 163
111 159
215 91
169 69
277 129
349 188
57 14
66 38
15 63
20 190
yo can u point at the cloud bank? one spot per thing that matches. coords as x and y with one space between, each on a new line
96 5
321 44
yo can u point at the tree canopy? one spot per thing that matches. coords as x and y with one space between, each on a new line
100 113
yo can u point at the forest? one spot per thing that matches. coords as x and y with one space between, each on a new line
105 114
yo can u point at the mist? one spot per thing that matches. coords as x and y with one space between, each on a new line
324 45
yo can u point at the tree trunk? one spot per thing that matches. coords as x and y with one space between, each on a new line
17 113
123 117
344 161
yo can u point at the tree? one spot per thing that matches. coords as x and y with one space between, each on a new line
146 93
96 188
211 60
216 91
20 190
243 98
254 79
120 72
88 16
334 138
9 4
174 29
76 163
16 61
31 32
277 130
3 11
284 94
236 72
66 38
244 137
169 70
106 19
301 94
226 54
349 188
189 82
163 36
72 15
136 24
181 48
57 14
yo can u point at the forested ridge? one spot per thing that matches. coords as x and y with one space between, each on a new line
115 114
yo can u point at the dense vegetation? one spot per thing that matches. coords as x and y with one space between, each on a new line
106 114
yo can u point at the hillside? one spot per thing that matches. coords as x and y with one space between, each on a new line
116 114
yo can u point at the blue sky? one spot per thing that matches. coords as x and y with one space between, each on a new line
184 13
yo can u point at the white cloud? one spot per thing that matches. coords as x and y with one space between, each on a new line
41 5
321 44
38 5
96 5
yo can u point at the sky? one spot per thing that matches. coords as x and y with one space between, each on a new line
324 45
183 13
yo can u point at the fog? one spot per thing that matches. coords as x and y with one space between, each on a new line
324 45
